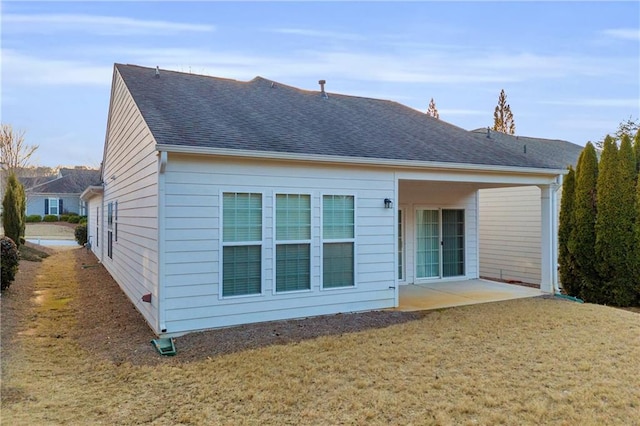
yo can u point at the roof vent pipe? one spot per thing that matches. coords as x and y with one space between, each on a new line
157 71
488 133
322 92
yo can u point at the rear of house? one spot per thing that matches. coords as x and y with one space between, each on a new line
509 217
228 202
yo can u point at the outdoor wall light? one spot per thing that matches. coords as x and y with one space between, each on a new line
388 203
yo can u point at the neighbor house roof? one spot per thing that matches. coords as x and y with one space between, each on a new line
558 153
69 181
209 113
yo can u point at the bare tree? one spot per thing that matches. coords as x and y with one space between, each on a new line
15 154
433 111
502 116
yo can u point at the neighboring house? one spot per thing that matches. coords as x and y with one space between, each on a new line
228 202
510 235
59 194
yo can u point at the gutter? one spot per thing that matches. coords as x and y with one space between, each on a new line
380 162
91 191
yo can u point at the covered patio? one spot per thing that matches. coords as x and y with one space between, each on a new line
446 294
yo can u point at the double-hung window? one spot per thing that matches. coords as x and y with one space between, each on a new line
338 241
110 230
293 242
241 244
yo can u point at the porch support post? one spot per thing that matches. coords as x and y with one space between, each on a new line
549 238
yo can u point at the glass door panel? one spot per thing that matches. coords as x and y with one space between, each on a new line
452 243
427 244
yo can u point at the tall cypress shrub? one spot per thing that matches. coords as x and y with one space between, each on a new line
637 242
12 209
615 223
624 291
636 151
582 237
566 262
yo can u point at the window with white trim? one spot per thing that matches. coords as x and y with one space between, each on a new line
293 242
110 230
241 244
338 241
52 206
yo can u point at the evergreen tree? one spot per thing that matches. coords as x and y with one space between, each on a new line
566 261
502 116
615 222
637 244
12 216
582 237
432 110
636 151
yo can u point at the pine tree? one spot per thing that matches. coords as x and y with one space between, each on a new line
582 238
432 110
502 116
566 261
12 216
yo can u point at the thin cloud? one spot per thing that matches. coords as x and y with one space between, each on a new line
96 24
19 69
623 33
461 112
318 33
591 102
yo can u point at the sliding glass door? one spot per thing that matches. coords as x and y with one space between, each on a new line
439 243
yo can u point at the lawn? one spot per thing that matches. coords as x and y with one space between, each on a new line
526 361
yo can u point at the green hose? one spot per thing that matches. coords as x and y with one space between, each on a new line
564 296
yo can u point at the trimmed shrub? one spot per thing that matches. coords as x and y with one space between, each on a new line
566 262
81 234
10 261
13 209
64 218
73 219
34 218
72 214
582 238
83 220
51 218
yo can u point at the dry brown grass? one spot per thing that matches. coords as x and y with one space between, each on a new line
51 230
527 361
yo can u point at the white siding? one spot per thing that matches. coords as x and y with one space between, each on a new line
131 178
192 241
439 195
510 234
94 205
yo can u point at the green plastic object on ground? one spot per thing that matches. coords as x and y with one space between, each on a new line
164 346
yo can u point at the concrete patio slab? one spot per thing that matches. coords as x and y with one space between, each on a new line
424 296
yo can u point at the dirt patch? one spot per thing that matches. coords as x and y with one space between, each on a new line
114 330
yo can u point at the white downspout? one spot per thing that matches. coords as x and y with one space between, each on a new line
162 165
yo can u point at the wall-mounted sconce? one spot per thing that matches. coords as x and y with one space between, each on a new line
388 204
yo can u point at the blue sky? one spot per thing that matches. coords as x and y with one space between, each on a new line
571 70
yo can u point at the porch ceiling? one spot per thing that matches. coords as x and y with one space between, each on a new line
425 296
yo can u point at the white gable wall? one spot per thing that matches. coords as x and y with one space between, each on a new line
510 234
130 173
192 240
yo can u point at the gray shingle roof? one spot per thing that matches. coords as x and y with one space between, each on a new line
193 110
558 153
70 181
